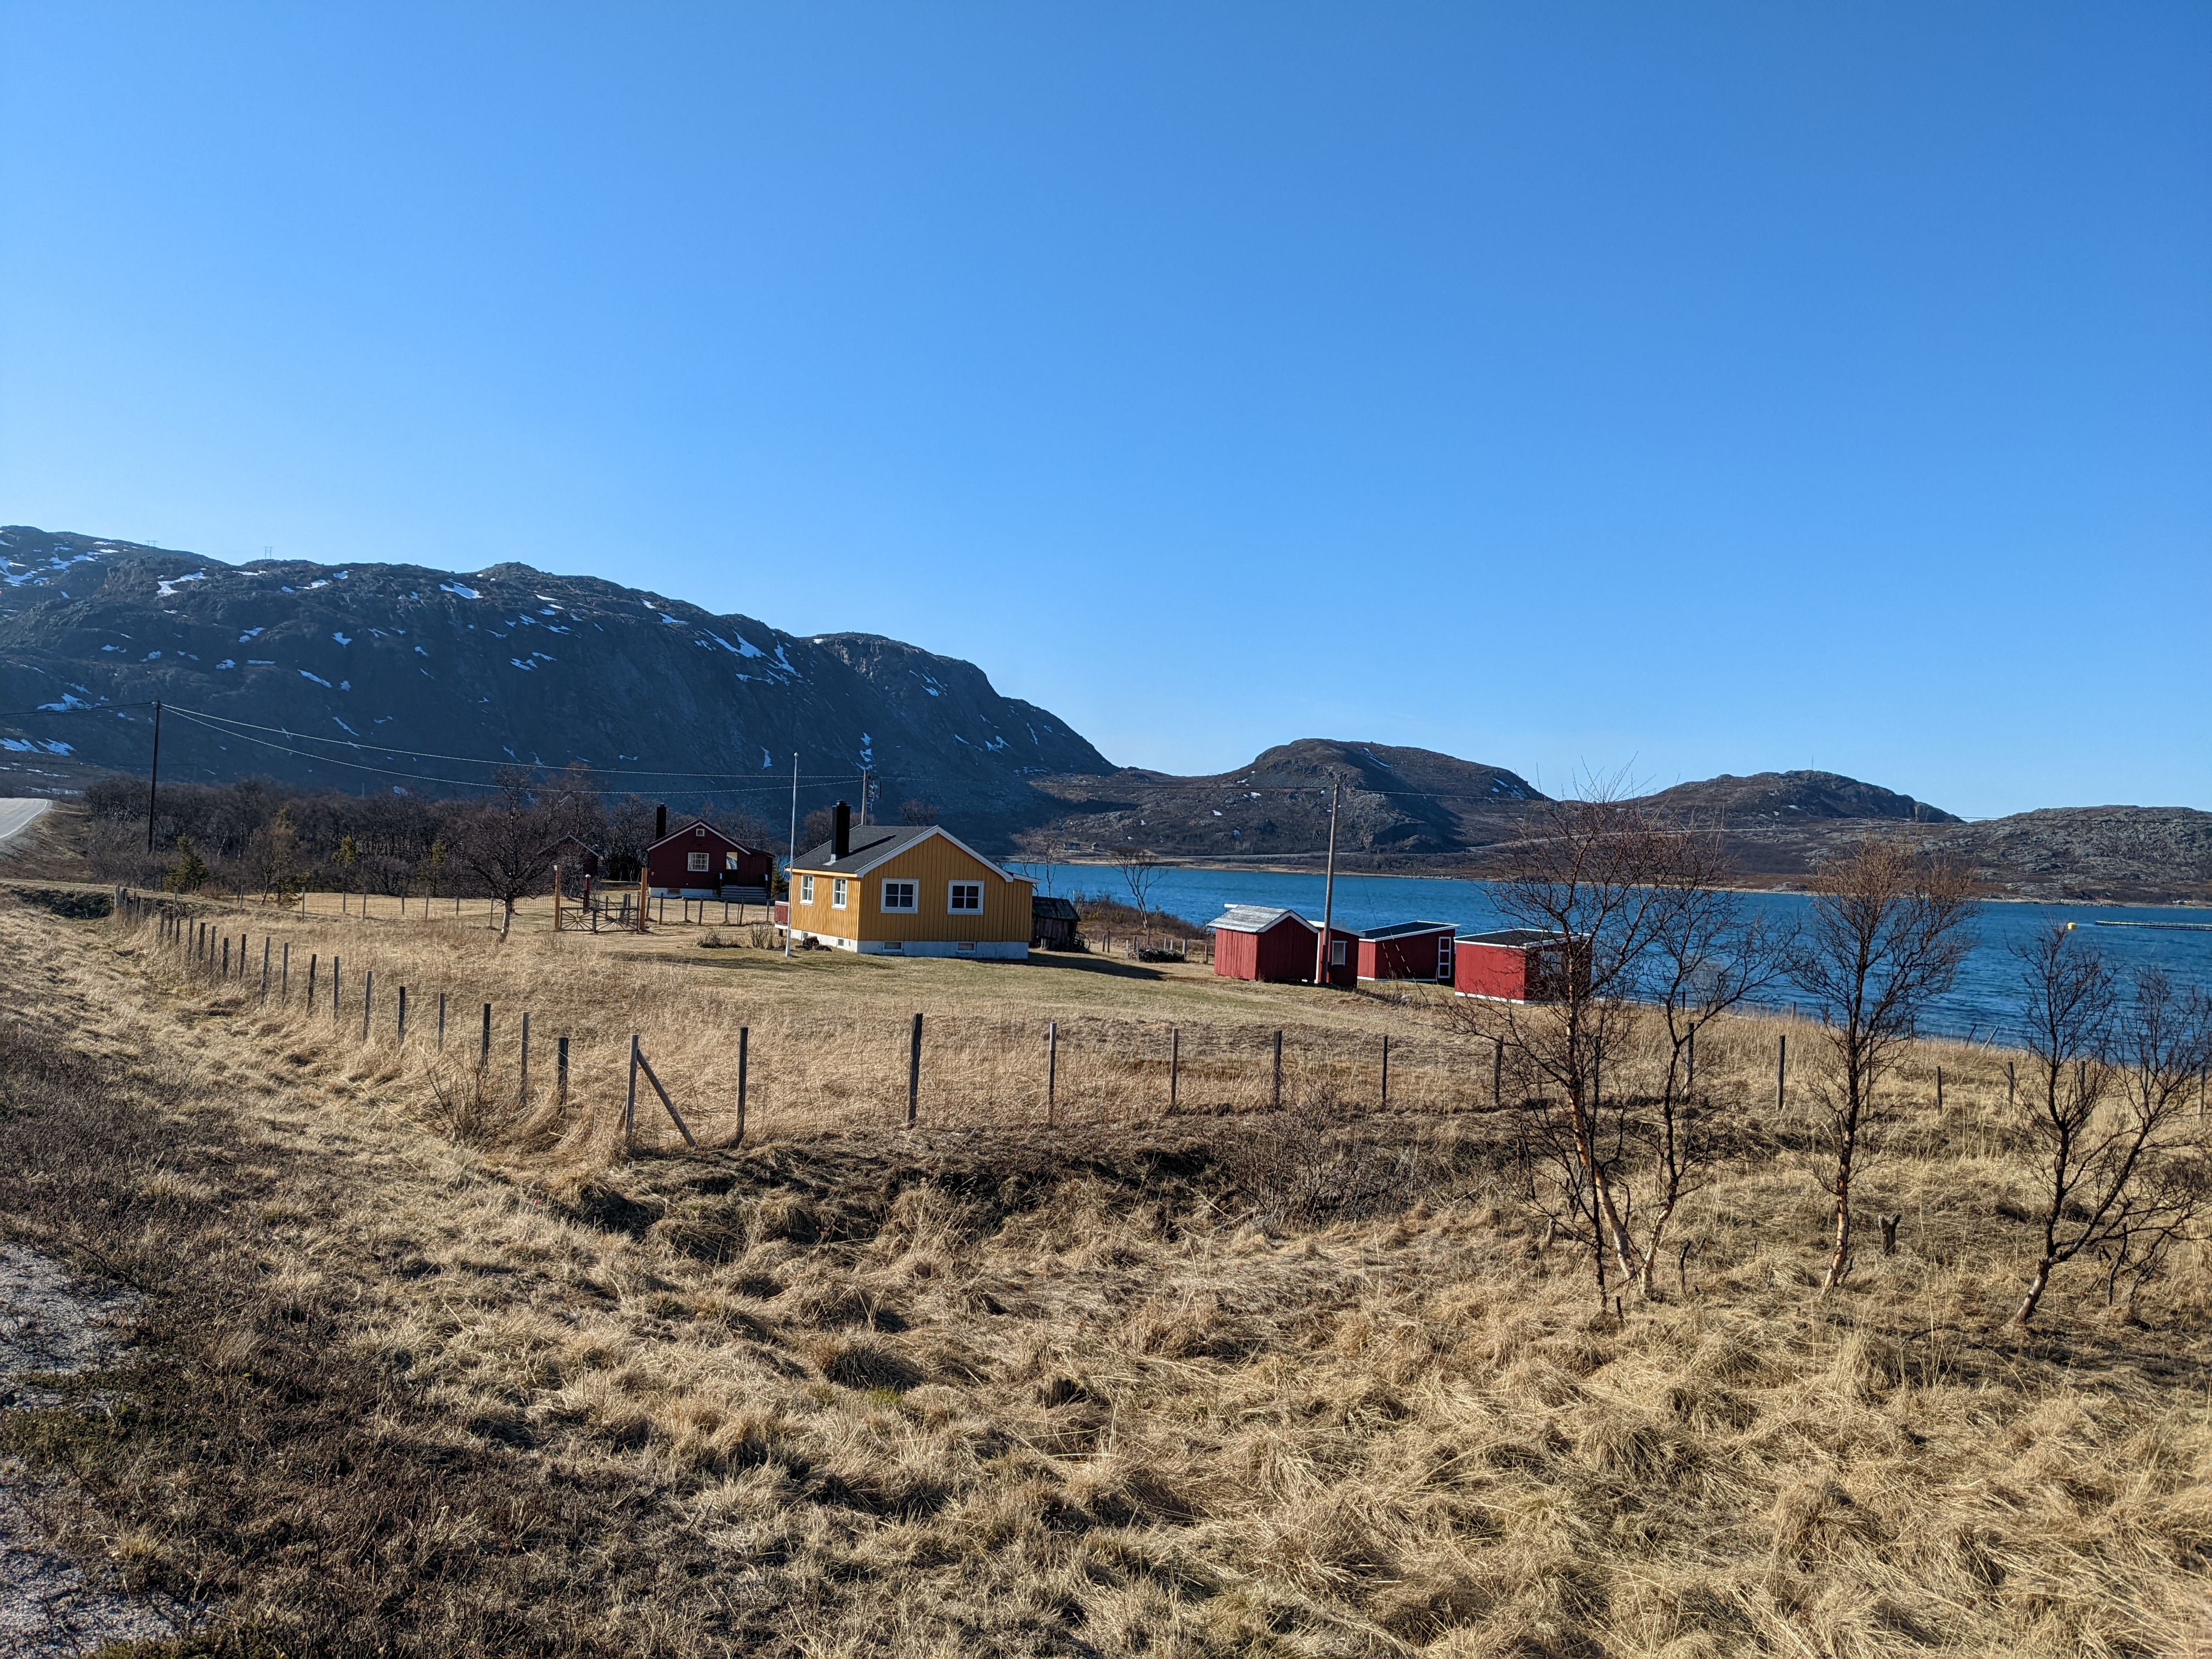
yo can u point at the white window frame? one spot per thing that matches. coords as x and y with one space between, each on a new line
1447 958
1336 952
697 863
952 892
837 892
909 890
807 889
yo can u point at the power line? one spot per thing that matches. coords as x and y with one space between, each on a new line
245 729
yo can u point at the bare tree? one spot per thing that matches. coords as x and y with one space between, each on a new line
1887 930
505 842
2121 1165
1140 870
917 811
1595 872
1709 953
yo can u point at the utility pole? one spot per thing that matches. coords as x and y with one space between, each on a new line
864 797
1329 887
790 890
156 782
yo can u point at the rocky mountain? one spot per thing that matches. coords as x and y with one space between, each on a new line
2113 855
332 674
1398 803
1772 797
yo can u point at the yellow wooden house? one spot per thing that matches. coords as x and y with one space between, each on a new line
910 889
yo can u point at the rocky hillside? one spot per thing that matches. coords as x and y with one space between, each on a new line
1399 803
1781 797
2112 853
346 667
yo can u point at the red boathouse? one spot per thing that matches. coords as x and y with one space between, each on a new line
1251 941
699 861
1407 950
1516 964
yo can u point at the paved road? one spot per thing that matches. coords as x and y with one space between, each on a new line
17 816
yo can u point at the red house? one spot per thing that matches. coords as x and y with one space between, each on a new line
1251 941
1516 964
697 860
1407 950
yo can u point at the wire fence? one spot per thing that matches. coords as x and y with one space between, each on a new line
781 1070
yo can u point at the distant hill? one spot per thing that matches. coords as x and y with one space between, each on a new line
350 664
1776 797
2114 854
1398 803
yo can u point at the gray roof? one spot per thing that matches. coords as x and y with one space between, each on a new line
871 844
1511 936
1255 918
1399 929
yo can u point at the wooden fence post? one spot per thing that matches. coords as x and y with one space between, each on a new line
402 1034
1278 1070
441 1022
646 1065
745 1043
265 967
560 1075
1939 1107
1175 1063
334 988
286 998
1386 1071
556 898
368 996
483 1053
311 981
2011 1082
629 1102
1781 1066
225 956
1051 1068
523 1096
914 1074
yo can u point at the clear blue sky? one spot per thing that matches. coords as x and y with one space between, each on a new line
1699 388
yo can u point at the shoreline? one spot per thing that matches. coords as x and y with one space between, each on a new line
1404 875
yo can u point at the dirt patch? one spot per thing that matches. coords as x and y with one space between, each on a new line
55 1327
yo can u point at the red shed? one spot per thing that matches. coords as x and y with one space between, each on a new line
1343 970
1516 964
1407 950
699 861
1253 942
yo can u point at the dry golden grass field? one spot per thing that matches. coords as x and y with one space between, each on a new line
424 1366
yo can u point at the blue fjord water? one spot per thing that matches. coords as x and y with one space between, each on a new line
1983 1003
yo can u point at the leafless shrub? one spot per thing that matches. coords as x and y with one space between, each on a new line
1887 931
467 1107
1620 887
1140 869
1311 1165
2121 1163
